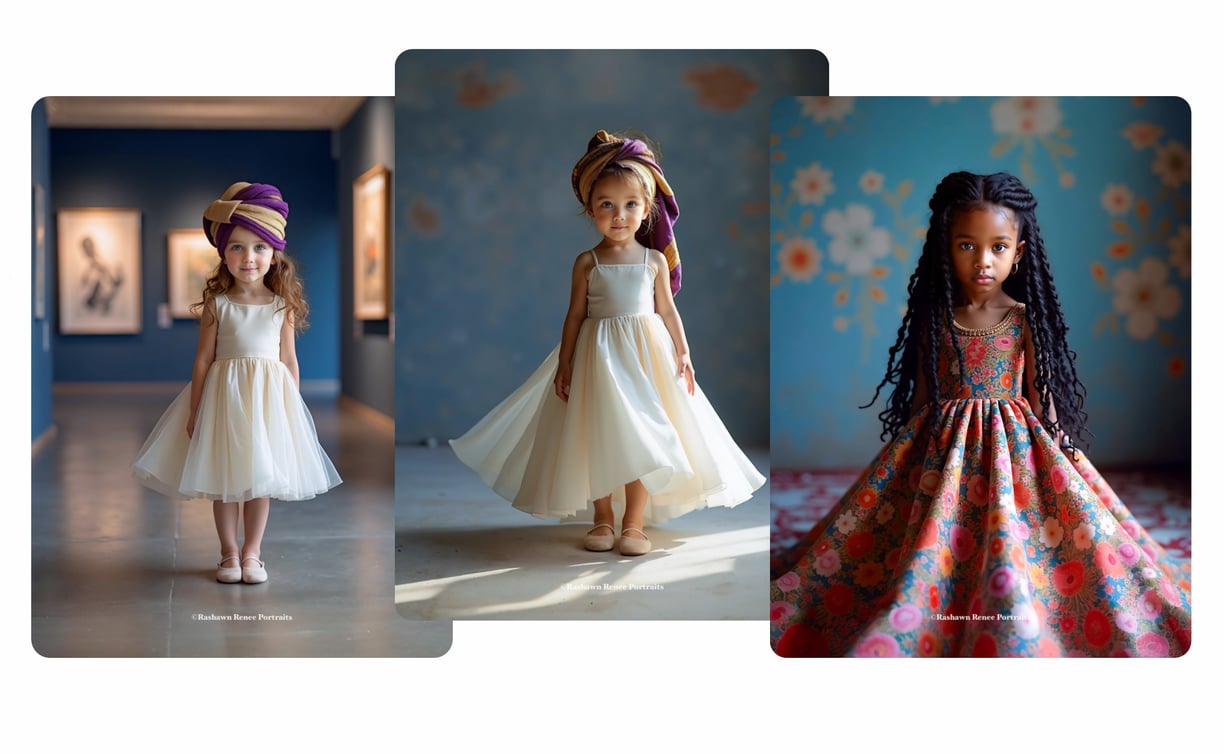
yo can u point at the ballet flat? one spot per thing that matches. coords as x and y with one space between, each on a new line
229 575
632 545
600 542
253 574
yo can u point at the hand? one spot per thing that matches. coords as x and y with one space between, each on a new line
561 383
686 371
191 427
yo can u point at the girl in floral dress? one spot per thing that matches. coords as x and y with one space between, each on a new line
981 529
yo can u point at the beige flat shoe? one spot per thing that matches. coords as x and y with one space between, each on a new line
600 542
253 574
232 574
632 545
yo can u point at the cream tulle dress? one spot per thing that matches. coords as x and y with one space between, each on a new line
628 417
254 437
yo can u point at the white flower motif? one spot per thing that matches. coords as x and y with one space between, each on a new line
1026 116
812 184
1117 199
1145 297
821 109
1107 523
856 243
1051 533
800 259
1172 163
871 182
847 522
1179 251
1083 536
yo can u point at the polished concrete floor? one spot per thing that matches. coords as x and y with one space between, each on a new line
120 571
462 552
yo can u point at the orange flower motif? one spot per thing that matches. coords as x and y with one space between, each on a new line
928 534
1006 380
877 293
1099 273
1069 578
929 644
841 297
879 271
800 259
1119 250
423 216
1107 560
945 561
1142 135
866 497
720 86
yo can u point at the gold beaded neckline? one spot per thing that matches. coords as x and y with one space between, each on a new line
1002 325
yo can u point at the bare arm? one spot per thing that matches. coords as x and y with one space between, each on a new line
574 317
665 305
288 348
206 354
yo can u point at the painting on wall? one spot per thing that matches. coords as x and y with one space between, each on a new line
371 234
99 270
191 259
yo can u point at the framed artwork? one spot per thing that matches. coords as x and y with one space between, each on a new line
371 239
99 270
40 252
190 260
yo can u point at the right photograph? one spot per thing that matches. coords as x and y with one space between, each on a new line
980 377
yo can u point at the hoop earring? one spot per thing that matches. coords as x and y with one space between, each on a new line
1015 267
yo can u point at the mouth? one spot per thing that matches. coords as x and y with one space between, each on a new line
983 279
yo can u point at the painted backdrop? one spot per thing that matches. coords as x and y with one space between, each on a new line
850 182
487 227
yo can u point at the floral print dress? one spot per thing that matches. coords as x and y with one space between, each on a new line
987 540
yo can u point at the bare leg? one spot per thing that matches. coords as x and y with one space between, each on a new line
225 516
254 521
603 511
602 536
635 507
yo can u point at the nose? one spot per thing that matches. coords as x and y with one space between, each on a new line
983 260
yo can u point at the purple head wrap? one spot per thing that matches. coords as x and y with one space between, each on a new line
258 207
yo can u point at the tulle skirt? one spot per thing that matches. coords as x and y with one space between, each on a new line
629 417
254 437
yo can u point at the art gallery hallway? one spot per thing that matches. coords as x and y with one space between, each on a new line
120 571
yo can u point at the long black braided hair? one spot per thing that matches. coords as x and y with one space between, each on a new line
933 291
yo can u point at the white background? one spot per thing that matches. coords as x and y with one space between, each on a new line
605 685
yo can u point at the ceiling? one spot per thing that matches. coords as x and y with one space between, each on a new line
280 113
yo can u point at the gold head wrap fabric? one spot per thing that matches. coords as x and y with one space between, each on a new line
605 149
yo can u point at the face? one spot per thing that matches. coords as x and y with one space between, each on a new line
247 256
985 244
618 207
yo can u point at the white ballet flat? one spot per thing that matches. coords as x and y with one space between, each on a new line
600 542
632 545
229 575
253 574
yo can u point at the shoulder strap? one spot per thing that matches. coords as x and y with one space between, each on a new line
596 258
645 255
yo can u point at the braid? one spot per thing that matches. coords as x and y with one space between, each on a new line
932 294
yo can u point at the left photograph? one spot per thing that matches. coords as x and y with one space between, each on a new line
212 380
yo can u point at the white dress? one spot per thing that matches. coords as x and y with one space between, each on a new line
254 437
629 417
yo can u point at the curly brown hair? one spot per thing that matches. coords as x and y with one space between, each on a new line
282 279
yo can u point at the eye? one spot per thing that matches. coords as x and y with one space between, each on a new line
965 246
605 205
1000 247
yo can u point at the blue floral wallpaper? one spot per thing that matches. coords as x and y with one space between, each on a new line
487 227
850 181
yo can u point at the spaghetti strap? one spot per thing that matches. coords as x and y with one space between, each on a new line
645 256
596 258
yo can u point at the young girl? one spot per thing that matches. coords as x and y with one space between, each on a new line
240 431
980 529
613 418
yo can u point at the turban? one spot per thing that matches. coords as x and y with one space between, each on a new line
257 207
605 149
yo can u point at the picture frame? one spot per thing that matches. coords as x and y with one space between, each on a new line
98 262
371 244
190 260
40 252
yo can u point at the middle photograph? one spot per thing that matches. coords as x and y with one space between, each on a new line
582 331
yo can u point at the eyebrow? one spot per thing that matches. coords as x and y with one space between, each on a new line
1001 236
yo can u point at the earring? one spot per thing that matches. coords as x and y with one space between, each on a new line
1015 267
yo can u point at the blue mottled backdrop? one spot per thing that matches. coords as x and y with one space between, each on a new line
850 183
487 228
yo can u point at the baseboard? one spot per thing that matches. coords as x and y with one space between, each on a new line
43 441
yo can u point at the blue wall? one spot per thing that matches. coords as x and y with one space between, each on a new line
1111 176
367 358
41 364
171 176
487 227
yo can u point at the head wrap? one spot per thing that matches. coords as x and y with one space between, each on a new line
605 149
258 207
